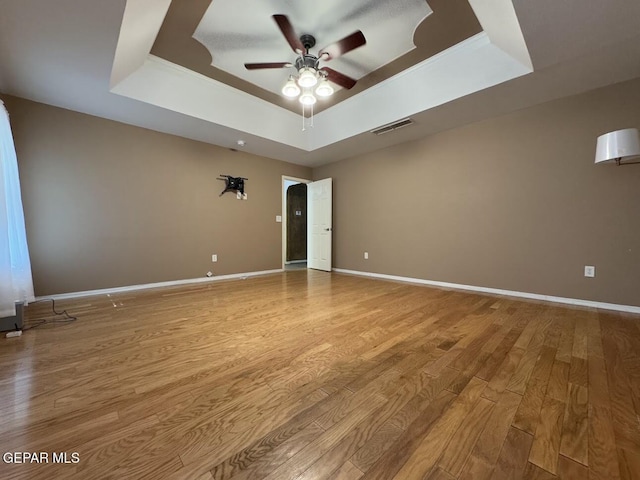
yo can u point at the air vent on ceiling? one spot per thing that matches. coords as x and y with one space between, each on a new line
392 126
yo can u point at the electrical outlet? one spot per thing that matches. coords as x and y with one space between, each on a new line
366 255
589 271
214 258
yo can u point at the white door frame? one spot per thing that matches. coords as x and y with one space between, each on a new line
284 213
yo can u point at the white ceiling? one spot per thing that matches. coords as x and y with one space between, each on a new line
242 31
92 56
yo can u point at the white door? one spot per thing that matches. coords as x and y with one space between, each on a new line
319 224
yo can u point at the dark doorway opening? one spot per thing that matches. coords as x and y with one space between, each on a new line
296 255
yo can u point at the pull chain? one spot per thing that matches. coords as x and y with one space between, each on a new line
304 120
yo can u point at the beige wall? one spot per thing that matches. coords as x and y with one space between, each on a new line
107 204
512 203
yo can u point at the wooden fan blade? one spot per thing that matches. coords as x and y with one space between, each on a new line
351 42
339 78
258 66
289 33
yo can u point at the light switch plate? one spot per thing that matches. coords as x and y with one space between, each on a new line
279 218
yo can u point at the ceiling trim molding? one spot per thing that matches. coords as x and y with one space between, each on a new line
498 18
141 22
167 85
494 56
463 69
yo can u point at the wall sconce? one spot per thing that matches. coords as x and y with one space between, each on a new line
618 146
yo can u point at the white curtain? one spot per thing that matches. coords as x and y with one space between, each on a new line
16 283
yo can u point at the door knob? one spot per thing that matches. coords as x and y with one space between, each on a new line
327 229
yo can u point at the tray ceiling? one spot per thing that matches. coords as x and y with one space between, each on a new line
215 38
95 57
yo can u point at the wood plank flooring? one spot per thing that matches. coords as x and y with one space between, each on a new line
309 375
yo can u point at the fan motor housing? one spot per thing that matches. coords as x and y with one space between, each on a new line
307 61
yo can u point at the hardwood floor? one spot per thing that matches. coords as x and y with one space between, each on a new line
307 375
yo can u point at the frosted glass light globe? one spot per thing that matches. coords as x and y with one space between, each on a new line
290 89
307 78
324 89
307 98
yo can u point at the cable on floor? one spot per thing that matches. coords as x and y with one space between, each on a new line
67 318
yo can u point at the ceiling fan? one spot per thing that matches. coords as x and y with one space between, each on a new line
308 65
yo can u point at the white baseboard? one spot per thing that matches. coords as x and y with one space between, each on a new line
457 286
289 262
496 291
173 283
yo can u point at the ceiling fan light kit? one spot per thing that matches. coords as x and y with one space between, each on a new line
308 77
307 99
324 89
310 73
291 88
